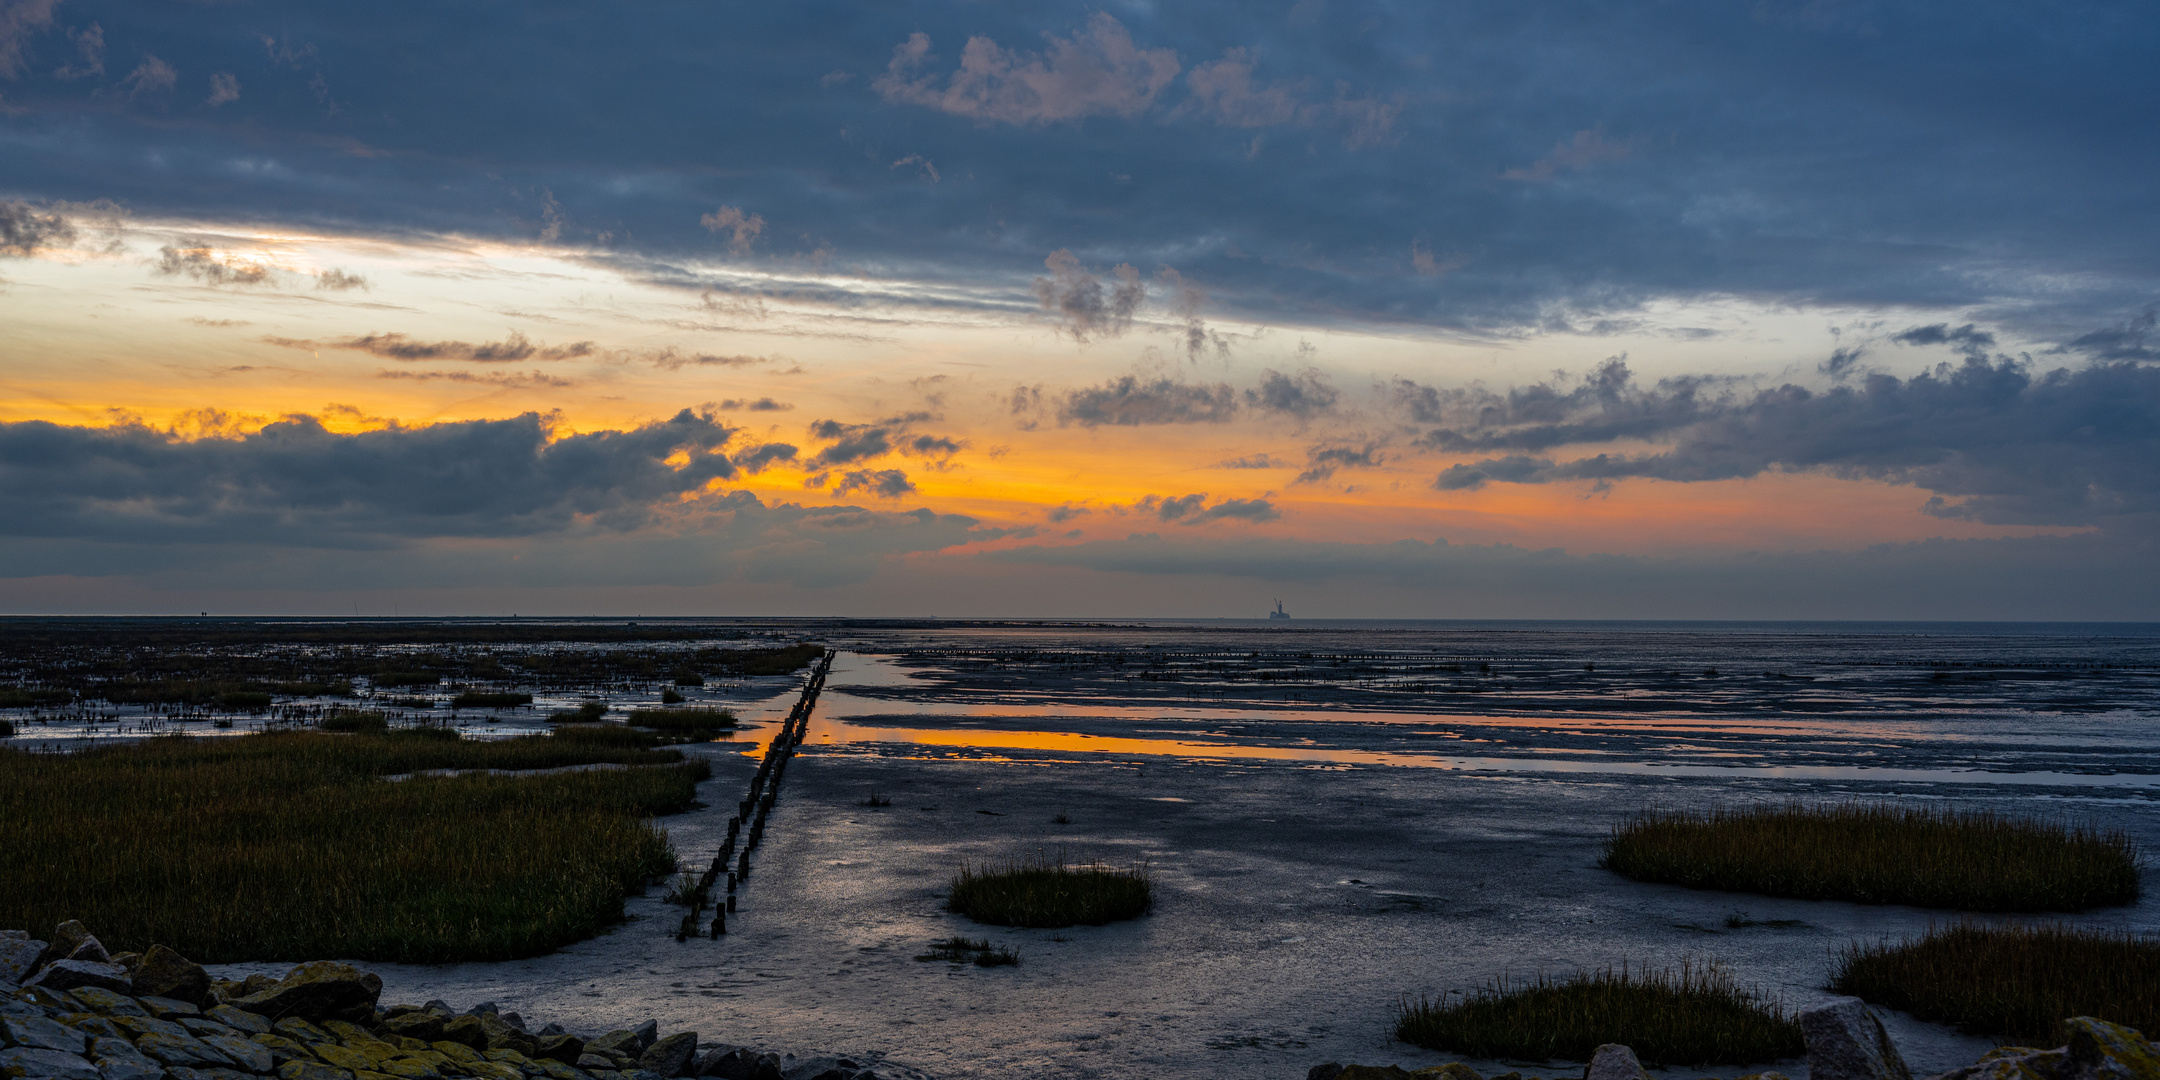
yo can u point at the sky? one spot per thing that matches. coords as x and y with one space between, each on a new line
1794 309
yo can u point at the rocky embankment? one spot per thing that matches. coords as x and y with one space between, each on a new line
70 1011
1846 1042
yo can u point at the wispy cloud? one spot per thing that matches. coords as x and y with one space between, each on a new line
1096 72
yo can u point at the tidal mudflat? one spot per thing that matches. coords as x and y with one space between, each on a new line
1379 816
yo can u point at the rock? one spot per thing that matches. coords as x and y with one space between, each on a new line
252 1023
93 950
2103 1051
23 1061
252 1056
292 1027
1328 1070
819 1068
139 1026
69 974
1846 1042
66 938
1373 1072
561 1047
282 1049
96 1027
549 1029
39 1033
180 1050
593 1063
107 1002
615 1042
211 1073
465 1031
165 1008
670 1057
167 974
129 1067
647 1033
1613 1061
1453 1070
128 960
321 990
310 1070
425 1026
18 958
501 1036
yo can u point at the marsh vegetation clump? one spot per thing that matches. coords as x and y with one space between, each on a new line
683 721
1050 893
352 720
1698 1015
293 843
2010 981
979 952
587 713
876 801
1874 853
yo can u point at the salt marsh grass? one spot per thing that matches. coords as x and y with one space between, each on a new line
1050 893
2010 981
290 845
683 720
1698 1015
1873 853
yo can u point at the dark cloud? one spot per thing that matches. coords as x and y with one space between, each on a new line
2131 340
1323 460
1606 405
1303 394
1966 339
757 458
339 281
297 482
1084 303
1252 461
672 358
508 380
1193 509
1128 401
763 404
1993 441
26 230
882 483
1058 515
512 349
859 442
1096 72
212 267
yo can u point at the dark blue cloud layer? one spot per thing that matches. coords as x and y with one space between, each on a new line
1486 164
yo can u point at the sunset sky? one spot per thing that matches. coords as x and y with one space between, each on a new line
1783 309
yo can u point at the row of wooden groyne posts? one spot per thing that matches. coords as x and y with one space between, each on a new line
748 824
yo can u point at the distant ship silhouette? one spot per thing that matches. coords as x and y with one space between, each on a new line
1278 613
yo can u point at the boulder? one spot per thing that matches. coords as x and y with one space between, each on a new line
107 1002
1613 1061
321 990
560 1047
69 974
93 950
18 958
94 1026
1453 1070
165 1008
66 938
116 1059
417 1024
252 1023
2103 1051
24 1061
180 1051
1373 1072
647 1033
465 1031
249 1055
501 1035
309 1070
39 1033
619 1041
167 974
1846 1042
670 1057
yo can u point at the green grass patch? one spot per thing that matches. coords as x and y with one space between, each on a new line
1698 1015
682 720
2009 981
1873 853
1050 893
615 736
289 845
979 952
489 699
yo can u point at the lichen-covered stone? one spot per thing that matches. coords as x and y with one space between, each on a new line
165 1008
310 1070
1846 1042
495 1070
245 1053
69 974
564 1048
410 1069
91 1024
200 1026
129 1067
18 958
1373 1072
1613 1061
2104 1051
45 997
615 1042
251 1023
320 990
181 1051
139 1026
66 938
344 1057
283 1049
108 1002
671 1056
559 1070
167 974
1453 1070
42 1033
465 1031
458 1052
293 1027
501 1035
417 1024
29 1061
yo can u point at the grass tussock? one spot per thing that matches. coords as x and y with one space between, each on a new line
1696 1016
1879 854
1050 893
355 720
189 842
683 720
979 952
2014 982
613 736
